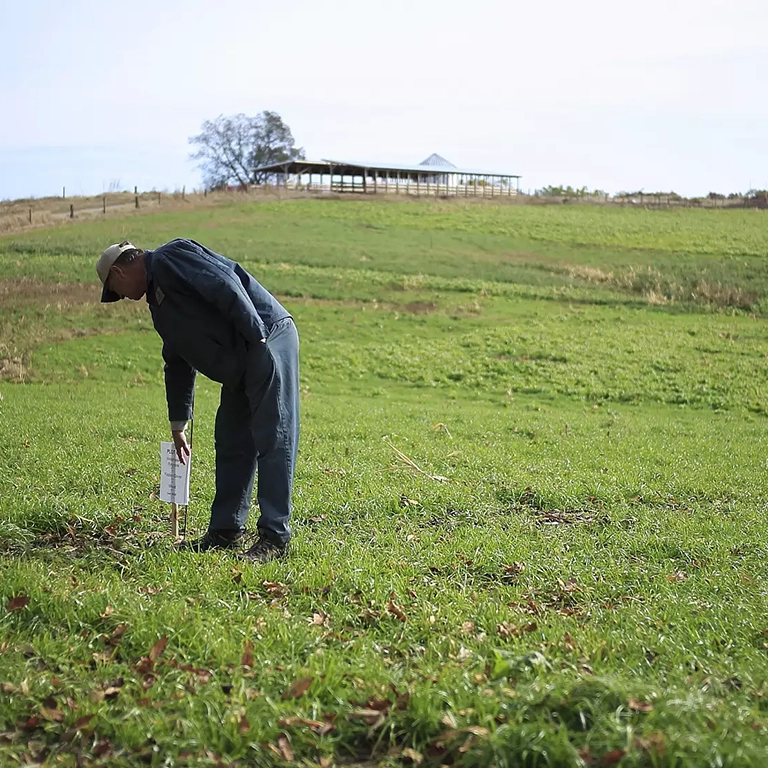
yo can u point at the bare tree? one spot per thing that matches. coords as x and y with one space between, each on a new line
230 149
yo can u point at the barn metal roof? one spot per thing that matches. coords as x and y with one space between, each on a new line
354 168
437 160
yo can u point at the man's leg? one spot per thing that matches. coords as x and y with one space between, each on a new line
275 421
235 462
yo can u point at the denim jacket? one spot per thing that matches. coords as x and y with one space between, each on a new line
211 315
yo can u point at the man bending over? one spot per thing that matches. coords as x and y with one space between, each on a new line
215 318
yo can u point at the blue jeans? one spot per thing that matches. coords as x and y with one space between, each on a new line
257 428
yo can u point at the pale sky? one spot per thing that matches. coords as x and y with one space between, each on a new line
656 95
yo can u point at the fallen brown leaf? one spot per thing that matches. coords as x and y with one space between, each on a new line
247 658
367 715
145 666
568 642
52 714
102 748
30 723
411 754
612 758
678 576
321 727
396 610
298 688
290 722
474 730
117 634
507 630
244 726
636 705
275 588
284 748
652 742
377 703
83 722
18 602
158 648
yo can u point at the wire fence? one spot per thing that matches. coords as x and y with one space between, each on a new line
18 215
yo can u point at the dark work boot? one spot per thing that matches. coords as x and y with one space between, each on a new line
265 550
218 539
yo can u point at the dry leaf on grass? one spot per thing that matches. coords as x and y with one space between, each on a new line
473 730
117 634
411 754
247 658
653 742
321 727
298 688
18 602
52 714
636 705
158 648
83 722
396 610
283 748
369 716
508 630
275 588
612 758
103 748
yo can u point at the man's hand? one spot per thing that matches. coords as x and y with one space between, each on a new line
182 447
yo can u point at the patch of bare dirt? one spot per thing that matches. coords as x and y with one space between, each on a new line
25 292
420 307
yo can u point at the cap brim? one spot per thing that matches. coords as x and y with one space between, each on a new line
108 296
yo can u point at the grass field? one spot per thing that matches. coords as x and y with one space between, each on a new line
530 505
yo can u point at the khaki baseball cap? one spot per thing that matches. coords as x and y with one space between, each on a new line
104 264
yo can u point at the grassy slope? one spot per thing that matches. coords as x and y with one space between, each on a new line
585 588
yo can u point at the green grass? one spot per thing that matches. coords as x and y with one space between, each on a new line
579 557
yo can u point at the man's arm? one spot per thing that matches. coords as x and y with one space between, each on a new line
180 394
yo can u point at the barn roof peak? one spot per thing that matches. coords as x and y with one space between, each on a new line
437 160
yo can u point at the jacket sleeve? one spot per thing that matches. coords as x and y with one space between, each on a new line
179 387
189 268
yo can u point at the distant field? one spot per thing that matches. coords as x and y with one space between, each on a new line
530 504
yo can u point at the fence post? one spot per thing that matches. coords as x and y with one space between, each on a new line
137 201
135 190
158 197
183 192
104 204
71 211
30 215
